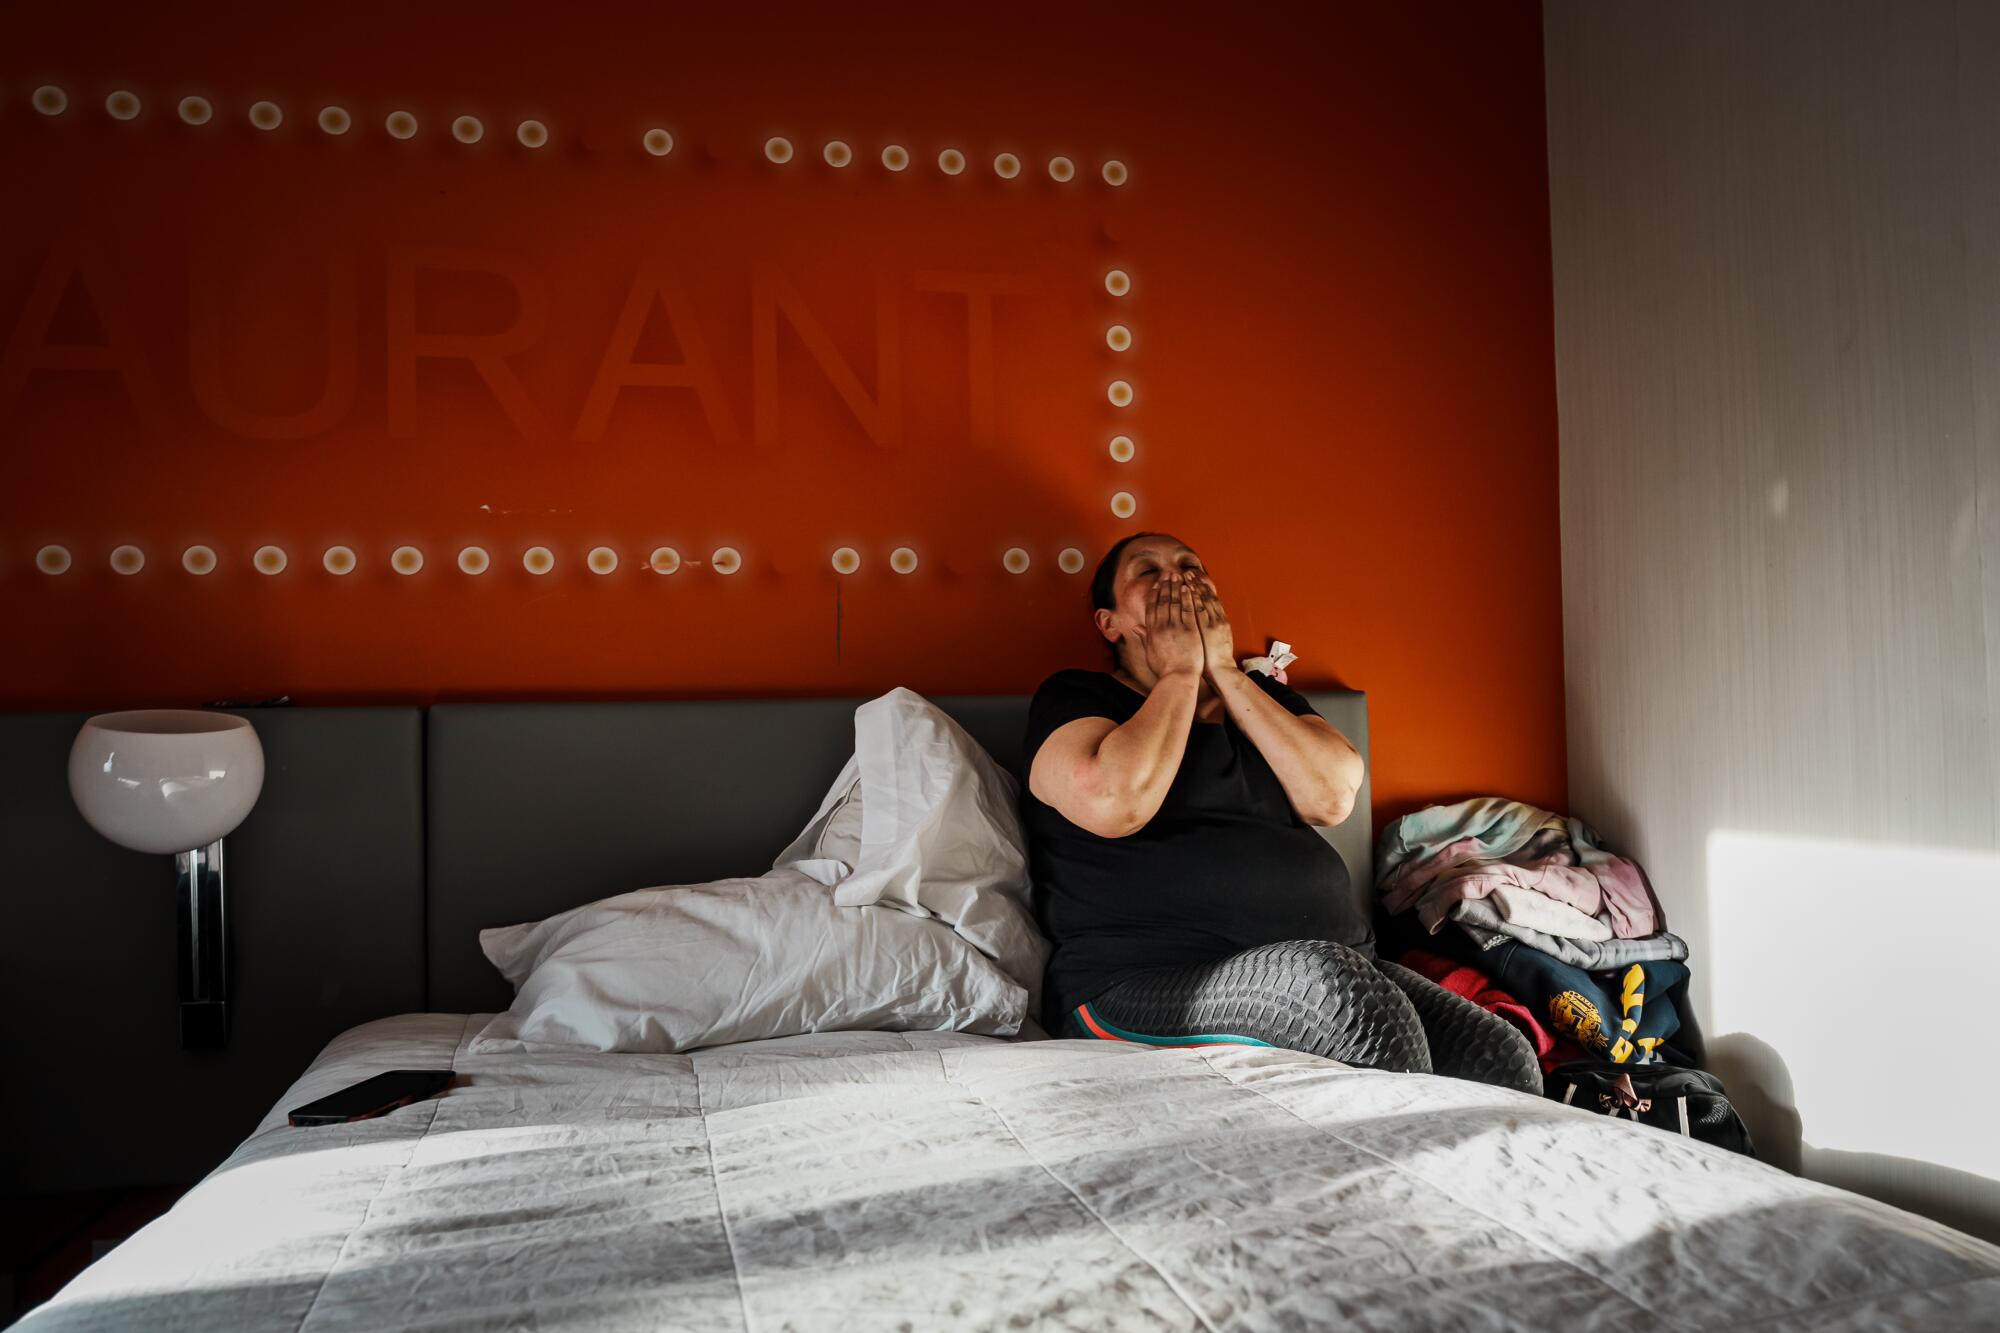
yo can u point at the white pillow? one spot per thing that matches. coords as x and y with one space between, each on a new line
675 968
940 832
840 840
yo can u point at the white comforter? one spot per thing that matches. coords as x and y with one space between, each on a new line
934 1180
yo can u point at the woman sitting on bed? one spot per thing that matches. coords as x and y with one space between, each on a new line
1170 811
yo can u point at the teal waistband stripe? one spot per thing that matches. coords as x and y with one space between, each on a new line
1091 1020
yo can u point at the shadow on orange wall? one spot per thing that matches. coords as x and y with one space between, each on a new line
1335 224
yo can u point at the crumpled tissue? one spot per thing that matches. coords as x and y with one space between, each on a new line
1273 663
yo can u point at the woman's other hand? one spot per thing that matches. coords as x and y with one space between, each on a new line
1218 640
1173 634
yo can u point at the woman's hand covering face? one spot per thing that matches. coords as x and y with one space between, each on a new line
1173 635
1218 640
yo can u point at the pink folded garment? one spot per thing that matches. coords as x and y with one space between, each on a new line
1418 847
1626 896
1444 855
1526 908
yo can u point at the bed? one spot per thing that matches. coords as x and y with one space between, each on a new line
935 1180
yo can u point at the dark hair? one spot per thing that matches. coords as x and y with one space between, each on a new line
1102 597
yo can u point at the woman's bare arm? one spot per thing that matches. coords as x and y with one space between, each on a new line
1111 779
1319 768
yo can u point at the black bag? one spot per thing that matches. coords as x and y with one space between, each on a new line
1683 1101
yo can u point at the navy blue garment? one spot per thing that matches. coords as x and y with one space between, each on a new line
1624 1016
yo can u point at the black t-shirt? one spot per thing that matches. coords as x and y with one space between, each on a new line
1225 864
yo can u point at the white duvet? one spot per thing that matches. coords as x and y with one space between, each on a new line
919 1181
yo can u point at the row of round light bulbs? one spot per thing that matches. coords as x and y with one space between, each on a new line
951 161
536 560
1119 339
122 105
125 105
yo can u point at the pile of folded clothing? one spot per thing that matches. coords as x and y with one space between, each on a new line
1532 919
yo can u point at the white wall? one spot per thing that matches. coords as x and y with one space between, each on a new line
1776 231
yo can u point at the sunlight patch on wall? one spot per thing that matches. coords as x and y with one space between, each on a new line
1866 967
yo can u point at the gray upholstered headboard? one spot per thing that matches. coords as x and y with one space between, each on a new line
384 840
534 808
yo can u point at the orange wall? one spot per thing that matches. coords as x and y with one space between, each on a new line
1335 222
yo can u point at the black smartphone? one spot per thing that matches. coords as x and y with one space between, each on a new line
372 1097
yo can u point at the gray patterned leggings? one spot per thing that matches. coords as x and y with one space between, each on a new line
1314 996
